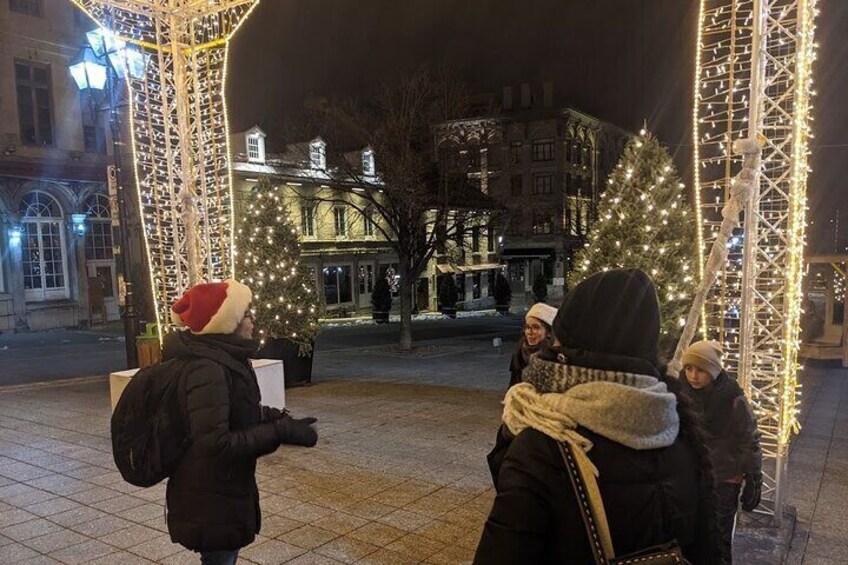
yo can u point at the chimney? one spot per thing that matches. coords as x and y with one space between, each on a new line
548 93
507 98
526 99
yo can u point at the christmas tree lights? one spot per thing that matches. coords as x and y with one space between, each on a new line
754 80
284 297
180 135
644 222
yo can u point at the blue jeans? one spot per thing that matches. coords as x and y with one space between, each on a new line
219 557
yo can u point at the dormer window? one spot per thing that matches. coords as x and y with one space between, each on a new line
368 162
318 155
255 144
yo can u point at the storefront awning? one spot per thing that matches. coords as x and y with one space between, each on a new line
476 268
444 269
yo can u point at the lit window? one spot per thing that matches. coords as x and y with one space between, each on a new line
578 214
307 220
368 168
368 223
43 248
366 279
337 285
255 149
542 223
98 236
318 155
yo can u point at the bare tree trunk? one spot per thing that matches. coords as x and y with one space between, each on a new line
407 285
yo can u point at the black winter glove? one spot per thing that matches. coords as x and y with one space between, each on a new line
296 432
270 414
752 492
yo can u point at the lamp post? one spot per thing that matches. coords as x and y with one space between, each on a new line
101 63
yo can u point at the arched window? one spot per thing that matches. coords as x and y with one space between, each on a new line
43 248
98 238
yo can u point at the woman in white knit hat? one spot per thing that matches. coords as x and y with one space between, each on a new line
537 333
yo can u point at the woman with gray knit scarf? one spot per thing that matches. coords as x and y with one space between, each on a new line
600 392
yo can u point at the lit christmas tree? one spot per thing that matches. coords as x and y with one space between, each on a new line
268 259
644 222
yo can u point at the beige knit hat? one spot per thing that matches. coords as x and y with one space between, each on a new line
542 311
706 355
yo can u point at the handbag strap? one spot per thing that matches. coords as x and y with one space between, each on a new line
591 505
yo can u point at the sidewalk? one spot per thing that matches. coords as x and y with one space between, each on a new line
399 476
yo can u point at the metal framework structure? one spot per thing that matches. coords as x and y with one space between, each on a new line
180 134
754 82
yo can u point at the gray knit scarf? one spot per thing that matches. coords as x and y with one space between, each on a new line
634 410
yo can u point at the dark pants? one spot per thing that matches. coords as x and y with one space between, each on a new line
219 557
727 502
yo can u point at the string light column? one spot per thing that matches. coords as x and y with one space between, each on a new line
180 135
754 81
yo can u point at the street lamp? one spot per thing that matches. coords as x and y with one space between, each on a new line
104 59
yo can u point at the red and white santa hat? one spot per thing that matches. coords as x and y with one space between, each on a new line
212 308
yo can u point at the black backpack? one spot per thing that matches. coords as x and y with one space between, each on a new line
150 429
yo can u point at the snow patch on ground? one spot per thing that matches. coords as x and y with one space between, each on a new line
395 318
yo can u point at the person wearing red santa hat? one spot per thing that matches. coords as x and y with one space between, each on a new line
212 497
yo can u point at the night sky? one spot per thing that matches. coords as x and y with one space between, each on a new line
621 60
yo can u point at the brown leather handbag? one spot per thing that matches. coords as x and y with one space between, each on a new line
597 528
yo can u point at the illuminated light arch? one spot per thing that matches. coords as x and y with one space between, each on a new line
180 135
754 80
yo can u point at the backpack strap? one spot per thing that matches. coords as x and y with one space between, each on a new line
590 503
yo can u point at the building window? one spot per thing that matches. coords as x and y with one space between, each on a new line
475 240
477 285
318 155
337 285
368 168
516 185
578 214
490 239
255 148
98 237
542 223
543 150
366 279
34 103
368 223
43 245
515 152
543 184
28 7
307 219
474 159
340 221
516 222
94 138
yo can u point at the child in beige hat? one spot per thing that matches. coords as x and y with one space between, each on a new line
731 434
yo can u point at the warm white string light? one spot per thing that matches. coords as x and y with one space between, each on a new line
180 135
765 289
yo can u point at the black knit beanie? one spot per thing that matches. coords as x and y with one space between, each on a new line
614 312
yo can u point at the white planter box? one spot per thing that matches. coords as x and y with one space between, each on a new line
269 374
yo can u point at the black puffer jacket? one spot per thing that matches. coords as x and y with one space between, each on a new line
730 427
611 322
213 501
650 496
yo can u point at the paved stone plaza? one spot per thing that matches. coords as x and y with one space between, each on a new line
399 476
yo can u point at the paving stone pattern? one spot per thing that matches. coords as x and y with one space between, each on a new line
399 476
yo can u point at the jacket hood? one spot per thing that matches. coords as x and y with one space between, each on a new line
613 313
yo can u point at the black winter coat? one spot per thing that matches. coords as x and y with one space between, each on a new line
650 497
730 427
212 498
